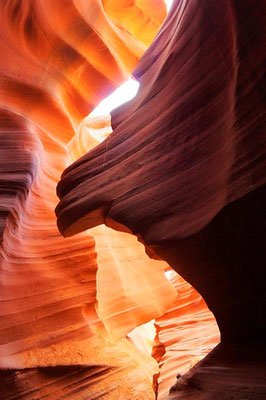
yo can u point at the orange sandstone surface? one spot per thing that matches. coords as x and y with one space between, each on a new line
90 315
68 306
184 171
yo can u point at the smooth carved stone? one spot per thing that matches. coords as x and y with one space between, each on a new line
191 141
57 305
73 382
225 374
225 263
188 330
120 285
184 171
58 61
185 334
18 166
54 382
122 376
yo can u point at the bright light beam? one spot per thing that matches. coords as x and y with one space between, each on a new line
169 274
124 93
169 4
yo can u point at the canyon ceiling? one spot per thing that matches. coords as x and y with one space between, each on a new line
95 210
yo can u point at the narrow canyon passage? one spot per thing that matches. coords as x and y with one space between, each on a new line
191 143
89 310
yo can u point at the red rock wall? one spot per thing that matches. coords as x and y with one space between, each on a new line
183 147
184 171
58 61
187 332
189 143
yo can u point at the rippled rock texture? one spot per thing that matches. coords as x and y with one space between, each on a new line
184 171
190 143
67 305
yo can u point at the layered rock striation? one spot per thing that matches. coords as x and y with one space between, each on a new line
184 171
63 323
184 146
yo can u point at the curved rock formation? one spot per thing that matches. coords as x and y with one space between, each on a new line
59 337
186 332
140 176
224 262
184 171
180 151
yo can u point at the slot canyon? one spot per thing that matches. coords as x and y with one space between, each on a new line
132 233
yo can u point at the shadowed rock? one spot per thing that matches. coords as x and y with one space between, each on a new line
182 170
